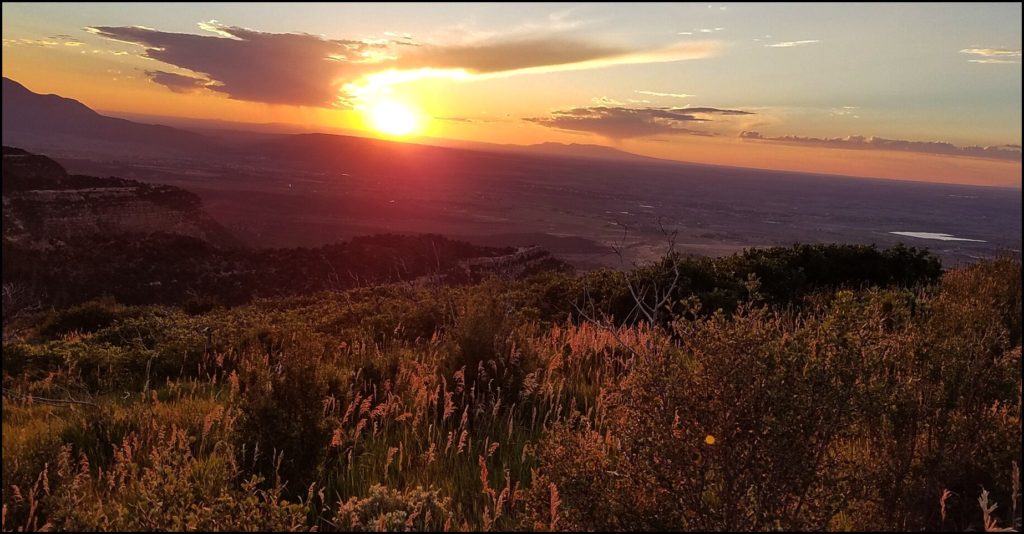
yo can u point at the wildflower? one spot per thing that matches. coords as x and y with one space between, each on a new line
709 439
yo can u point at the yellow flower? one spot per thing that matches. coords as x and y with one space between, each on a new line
710 440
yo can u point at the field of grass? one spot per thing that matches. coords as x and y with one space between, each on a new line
807 388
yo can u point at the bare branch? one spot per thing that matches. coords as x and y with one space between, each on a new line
43 400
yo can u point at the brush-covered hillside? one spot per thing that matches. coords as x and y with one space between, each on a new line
801 388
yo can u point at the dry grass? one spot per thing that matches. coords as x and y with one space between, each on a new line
867 409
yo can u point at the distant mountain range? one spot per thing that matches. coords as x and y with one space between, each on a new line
30 119
52 122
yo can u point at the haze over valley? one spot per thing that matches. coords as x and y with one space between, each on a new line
586 204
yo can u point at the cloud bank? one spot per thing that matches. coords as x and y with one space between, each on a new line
1002 152
298 69
310 70
623 122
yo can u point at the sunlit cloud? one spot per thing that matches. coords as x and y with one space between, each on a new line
56 40
791 44
668 95
993 55
617 122
309 70
667 54
215 27
1003 152
606 101
701 30
995 61
499 56
483 66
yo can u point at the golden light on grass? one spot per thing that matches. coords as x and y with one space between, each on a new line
394 118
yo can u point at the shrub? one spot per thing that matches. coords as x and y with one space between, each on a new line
281 400
86 317
390 510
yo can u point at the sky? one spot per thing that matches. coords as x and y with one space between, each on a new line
907 91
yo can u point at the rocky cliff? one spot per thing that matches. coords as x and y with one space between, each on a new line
43 205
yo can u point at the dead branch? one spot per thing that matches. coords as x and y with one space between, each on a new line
43 400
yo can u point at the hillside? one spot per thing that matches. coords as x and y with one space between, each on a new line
803 388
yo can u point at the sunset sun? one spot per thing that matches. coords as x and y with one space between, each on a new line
394 118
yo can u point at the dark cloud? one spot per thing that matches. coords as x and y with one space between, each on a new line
283 68
1004 152
176 82
623 122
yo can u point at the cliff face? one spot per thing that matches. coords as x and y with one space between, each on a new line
43 205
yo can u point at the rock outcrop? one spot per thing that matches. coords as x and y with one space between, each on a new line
43 206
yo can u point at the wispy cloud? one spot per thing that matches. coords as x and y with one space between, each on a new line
498 56
616 122
845 111
310 70
702 30
54 40
993 55
791 44
669 95
1003 152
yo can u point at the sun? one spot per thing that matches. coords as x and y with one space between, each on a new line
394 118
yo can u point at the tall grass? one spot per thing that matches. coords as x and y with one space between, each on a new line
475 409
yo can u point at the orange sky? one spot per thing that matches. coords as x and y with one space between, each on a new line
577 89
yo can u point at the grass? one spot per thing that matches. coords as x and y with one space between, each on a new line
485 407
